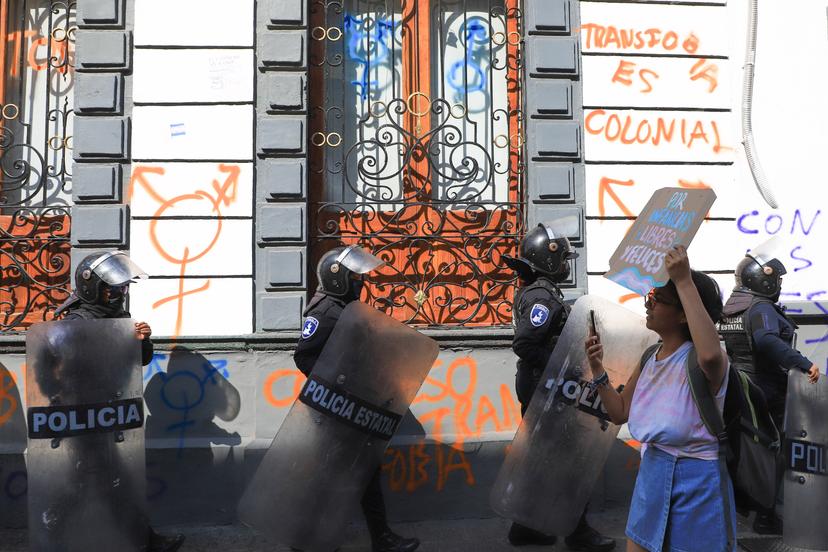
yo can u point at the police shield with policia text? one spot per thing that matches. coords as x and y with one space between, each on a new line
539 317
364 369
87 486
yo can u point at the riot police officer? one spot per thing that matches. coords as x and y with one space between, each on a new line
101 286
341 278
539 316
760 341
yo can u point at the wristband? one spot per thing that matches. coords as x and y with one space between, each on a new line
600 381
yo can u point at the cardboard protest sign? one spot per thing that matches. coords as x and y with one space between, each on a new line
672 217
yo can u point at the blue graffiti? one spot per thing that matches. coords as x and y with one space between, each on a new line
467 75
811 297
16 485
791 310
154 367
369 44
774 223
183 402
808 263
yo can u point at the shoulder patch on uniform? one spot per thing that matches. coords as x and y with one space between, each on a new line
309 327
539 315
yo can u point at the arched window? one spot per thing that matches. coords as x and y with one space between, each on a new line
417 150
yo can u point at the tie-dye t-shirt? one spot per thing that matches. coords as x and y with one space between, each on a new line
663 413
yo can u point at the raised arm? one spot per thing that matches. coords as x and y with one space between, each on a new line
702 329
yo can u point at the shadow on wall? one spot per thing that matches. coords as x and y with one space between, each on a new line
13 477
197 477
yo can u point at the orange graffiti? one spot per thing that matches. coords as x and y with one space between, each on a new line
276 375
707 71
408 472
628 297
57 52
8 402
601 36
605 188
222 193
464 404
693 185
409 467
626 70
634 128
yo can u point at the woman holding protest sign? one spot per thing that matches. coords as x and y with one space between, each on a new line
683 498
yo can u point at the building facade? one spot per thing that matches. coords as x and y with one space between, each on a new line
227 144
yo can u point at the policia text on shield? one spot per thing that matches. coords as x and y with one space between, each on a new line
86 415
364 369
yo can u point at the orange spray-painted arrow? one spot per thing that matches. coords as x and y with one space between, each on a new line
226 193
139 178
605 187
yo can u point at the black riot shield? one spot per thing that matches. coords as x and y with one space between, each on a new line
565 437
806 475
310 481
85 415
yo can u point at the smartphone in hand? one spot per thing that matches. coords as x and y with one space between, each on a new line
593 329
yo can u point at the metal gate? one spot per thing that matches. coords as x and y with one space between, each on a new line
417 150
36 81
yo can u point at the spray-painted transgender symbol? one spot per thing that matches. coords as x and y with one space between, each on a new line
466 75
369 45
222 193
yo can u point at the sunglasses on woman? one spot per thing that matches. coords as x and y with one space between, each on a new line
658 296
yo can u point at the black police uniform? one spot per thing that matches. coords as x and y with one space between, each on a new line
539 315
86 311
321 316
79 310
760 338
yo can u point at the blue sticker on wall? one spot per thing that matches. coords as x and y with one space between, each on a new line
310 326
539 315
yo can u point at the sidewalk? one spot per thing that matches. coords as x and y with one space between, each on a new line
478 535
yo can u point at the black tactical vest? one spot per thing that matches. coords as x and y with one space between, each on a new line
736 330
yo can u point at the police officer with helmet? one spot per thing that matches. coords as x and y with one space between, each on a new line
341 278
760 340
539 316
101 286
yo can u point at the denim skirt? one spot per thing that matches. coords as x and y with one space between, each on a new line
682 505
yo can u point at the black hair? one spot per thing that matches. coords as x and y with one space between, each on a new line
709 292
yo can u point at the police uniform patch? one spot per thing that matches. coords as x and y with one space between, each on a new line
310 326
539 315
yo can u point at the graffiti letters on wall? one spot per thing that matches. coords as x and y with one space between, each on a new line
455 407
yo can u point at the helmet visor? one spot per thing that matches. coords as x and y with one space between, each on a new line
359 261
562 228
771 250
117 269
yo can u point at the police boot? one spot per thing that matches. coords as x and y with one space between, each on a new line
588 539
388 541
767 523
520 535
162 543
